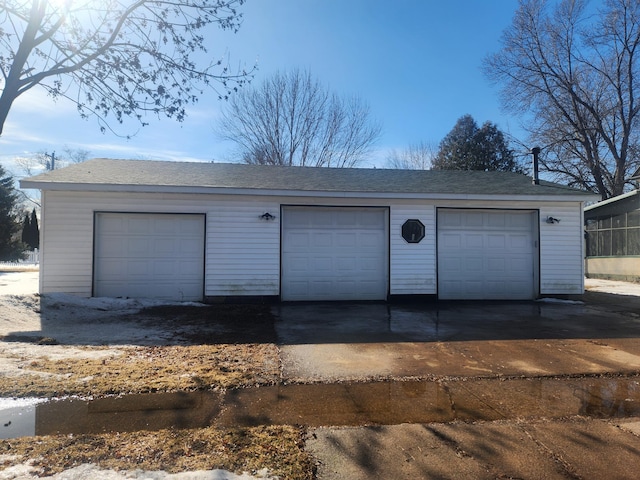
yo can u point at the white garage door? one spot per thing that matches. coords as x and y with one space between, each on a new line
149 255
486 254
334 253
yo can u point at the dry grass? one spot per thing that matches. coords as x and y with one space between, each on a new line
226 347
277 448
149 369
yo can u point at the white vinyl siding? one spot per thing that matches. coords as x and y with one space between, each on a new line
242 251
413 265
561 250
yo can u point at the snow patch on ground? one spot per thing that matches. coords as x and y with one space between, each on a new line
560 301
82 472
19 402
612 286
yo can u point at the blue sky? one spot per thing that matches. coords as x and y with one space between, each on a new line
416 62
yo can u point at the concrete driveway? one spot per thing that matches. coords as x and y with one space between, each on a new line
546 389
338 342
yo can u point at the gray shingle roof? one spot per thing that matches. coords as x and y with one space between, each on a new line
182 175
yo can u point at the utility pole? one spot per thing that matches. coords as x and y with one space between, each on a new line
51 165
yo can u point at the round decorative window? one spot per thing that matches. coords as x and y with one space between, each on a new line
413 231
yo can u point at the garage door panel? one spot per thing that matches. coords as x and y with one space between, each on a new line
346 255
138 269
519 221
473 240
371 240
149 255
320 264
496 265
166 247
346 264
518 265
471 220
496 241
369 264
168 268
346 240
496 221
348 285
143 247
347 219
451 264
299 264
472 266
493 257
320 240
452 219
519 242
190 245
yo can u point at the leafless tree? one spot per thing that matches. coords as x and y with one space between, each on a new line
575 71
415 157
44 161
32 164
114 58
291 119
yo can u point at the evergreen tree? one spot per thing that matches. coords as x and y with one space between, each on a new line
11 247
469 147
26 229
35 231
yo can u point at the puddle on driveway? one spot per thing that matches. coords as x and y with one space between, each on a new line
330 404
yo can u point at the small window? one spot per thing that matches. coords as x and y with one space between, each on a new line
633 239
633 219
619 221
592 244
618 242
604 243
413 231
604 222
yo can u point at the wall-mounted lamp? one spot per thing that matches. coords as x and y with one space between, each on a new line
267 216
552 220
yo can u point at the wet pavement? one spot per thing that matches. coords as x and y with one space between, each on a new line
350 342
320 323
343 404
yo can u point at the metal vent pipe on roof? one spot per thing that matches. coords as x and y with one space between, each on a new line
536 152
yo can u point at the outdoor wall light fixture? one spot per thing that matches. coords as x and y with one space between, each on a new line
552 220
267 216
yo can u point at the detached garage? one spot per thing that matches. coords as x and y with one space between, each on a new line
216 232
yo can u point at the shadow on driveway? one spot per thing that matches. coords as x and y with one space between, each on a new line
455 321
600 316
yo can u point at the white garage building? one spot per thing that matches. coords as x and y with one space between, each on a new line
202 231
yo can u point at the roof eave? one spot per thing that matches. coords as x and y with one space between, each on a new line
86 187
612 200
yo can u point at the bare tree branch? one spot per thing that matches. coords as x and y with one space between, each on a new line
292 120
415 157
115 58
574 73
